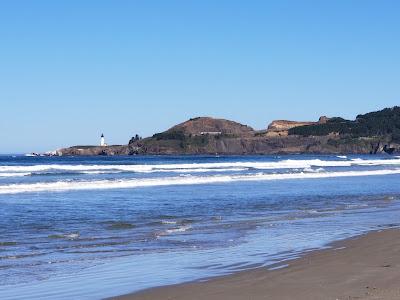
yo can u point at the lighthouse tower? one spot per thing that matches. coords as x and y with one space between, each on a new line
102 141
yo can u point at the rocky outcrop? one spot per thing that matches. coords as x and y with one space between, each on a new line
242 146
93 150
262 145
206 135
281 127
323 120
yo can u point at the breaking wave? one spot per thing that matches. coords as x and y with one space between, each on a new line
14 174
12 170
181 180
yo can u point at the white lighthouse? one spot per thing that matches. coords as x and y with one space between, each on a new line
102 140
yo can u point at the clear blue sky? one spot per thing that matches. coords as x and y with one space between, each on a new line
70 70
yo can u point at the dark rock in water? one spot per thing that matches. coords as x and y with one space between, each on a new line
388 150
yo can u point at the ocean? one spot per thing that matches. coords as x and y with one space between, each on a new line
95 227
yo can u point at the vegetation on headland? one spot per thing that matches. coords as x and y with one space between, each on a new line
135 139
376 132
381 123
184 140
170 135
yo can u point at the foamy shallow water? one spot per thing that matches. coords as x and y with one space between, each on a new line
89 228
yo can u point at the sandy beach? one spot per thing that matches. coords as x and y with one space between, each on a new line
365 267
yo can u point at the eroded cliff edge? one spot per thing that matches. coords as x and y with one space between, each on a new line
375 132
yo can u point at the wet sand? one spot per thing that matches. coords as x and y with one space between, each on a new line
365 267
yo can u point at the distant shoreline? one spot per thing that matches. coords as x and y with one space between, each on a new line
372 133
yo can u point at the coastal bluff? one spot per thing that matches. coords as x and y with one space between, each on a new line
372 133
282 127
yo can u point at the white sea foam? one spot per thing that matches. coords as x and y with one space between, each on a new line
179 229
14 174
311 170
72 236
200 167
188 180
168 222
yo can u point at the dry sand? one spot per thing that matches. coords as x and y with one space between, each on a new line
367 268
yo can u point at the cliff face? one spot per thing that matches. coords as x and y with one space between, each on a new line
262 145
238 146
281 127
218 136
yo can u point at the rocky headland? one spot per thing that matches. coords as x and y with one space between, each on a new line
376 132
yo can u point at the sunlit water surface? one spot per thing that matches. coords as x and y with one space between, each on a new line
94 227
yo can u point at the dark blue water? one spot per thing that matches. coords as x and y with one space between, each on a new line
92 227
